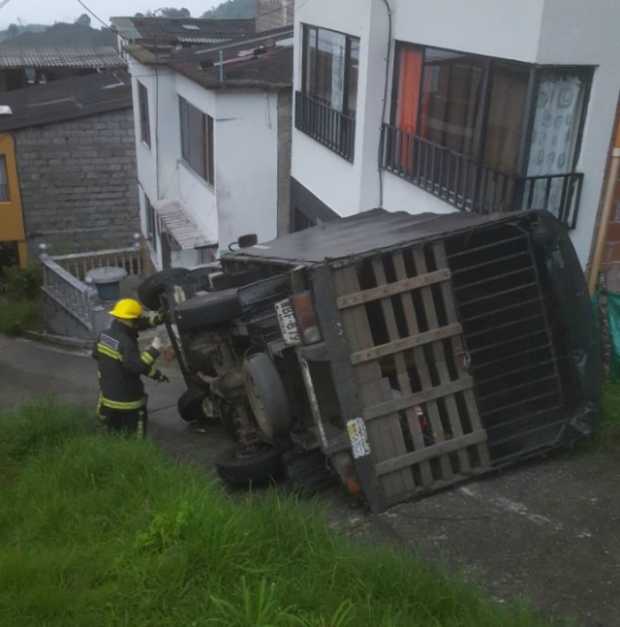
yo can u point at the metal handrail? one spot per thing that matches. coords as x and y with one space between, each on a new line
470 185
330 127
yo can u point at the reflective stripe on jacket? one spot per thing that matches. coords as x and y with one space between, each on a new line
121 366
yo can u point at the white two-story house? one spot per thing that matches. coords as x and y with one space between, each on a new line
442 106
213 130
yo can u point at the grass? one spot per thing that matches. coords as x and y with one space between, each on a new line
99 531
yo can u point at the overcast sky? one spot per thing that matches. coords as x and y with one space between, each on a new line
50 11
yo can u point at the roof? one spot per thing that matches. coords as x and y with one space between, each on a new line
262 61
61 45
86 58
165 29
66 99
366 232
180 225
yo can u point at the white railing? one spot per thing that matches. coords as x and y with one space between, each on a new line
68 291
80 264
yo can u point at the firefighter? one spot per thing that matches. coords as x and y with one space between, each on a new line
122 401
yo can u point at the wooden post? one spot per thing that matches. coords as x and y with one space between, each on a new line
610 192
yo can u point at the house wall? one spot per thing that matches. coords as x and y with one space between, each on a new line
534 31
246 163
574 33
246 193
273 14
12 222
285 125
77 182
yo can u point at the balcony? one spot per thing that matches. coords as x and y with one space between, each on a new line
330 127
470 186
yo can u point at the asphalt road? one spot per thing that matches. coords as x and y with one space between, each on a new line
548 532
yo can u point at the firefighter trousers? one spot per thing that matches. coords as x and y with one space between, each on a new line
132 423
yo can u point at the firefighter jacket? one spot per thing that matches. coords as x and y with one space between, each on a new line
121 366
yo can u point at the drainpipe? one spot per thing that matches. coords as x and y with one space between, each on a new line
610 192
388 8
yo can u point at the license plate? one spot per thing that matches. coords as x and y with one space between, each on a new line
288 323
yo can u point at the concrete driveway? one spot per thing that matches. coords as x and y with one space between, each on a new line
548 532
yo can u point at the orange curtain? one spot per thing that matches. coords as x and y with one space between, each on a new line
409 77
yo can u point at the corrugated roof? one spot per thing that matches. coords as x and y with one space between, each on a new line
180 225
170 30
261 61
88 58
76 97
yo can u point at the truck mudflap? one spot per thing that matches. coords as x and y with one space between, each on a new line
456 356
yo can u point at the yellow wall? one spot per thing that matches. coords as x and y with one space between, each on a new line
11 216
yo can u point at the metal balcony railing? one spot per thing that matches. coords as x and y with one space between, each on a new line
469 185
330 127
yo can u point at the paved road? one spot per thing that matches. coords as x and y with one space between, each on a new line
548 532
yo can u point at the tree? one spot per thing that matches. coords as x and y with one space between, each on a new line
12 31
172 12
83 20
233 9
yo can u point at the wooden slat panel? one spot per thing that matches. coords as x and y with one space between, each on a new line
427 395
430 452
385 436
421 367
458 349
402 374
443 372
376 352
386 290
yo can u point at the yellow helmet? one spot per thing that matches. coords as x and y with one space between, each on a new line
127 309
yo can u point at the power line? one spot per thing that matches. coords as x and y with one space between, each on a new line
94 14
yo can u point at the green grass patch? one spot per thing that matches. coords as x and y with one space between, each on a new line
101 531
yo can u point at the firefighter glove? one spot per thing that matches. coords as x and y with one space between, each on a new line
157 343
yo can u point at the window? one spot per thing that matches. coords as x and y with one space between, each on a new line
4 180
197 140
331 68
460 129
145 126
151 222
325 108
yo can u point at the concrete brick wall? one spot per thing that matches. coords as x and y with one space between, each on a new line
285 113
78 183
274 13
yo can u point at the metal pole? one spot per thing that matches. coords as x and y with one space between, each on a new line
221 66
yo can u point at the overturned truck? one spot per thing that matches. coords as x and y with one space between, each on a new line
405 353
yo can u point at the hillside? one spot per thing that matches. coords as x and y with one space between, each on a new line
233 9
14 30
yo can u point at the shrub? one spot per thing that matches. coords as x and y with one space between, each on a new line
18 315
23 284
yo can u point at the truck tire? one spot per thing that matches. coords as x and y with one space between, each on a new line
241 470
150 290
267 396
190 405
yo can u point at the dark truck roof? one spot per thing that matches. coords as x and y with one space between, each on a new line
376 229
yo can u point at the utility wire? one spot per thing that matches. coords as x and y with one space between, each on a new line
84 6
